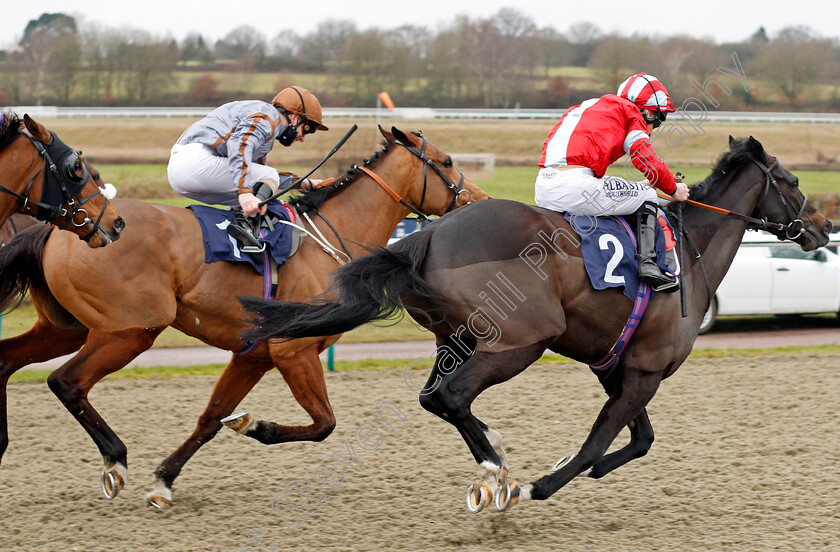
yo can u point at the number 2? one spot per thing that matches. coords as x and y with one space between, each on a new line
604 242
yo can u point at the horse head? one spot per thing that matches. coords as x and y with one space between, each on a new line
782 205
444 187
51 181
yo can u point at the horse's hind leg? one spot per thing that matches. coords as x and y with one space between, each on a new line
626 403
238 378
41 343
102 354
641 439
304 375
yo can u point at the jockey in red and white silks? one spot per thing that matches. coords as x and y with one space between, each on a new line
592 136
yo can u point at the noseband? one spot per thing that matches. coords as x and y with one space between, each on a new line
61 180
795 227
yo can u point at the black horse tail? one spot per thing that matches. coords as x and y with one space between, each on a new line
21 265
369 288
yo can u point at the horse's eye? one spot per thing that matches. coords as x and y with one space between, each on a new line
795 183
448 163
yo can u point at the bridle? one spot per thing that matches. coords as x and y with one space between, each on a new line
753 223
457 190
63 180
795 225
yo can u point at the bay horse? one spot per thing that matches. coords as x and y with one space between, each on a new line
157 277
502 282
42 177
13 225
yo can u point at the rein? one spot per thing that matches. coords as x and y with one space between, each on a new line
54 177
754 223
761 224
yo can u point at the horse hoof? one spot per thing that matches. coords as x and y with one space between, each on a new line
241 422
507 495
112 483
562 462
159 502
479 497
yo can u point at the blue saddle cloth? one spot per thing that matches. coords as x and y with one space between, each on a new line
609 252
219 246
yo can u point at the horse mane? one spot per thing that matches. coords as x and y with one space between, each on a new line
9 126
729 161
311 201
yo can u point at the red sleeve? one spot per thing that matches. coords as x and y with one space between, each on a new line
650 165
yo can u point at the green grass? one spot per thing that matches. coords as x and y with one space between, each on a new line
167 372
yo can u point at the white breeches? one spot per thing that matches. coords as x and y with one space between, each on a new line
196 172
580 192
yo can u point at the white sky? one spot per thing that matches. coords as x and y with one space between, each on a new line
720 20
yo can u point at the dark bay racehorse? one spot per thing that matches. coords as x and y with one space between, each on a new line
156 277
502 282
43 177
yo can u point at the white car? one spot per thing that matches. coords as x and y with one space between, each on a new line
772 277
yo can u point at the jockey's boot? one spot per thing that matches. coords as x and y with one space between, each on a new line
244 230
649 271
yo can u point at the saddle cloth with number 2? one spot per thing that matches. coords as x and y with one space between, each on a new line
608 245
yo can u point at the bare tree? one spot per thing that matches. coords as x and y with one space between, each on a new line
676 60
143 64
244 43
364 60
584 37
326 43
551 49
444 72
194 48
285 46
51 51
796 59
617 57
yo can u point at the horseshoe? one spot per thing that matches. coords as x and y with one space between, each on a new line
507 495
562 462
478 497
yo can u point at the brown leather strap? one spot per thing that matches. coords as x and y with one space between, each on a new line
382 183
324 182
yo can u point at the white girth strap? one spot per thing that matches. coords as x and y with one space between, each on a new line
319 239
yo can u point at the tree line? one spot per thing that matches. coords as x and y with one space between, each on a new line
495 62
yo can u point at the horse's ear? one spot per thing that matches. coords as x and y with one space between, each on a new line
36 129
755 145
388 136
731 141
400 135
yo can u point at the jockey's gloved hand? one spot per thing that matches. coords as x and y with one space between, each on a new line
250 205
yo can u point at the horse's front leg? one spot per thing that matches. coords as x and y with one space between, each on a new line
626 403
102 354
41 343
240 376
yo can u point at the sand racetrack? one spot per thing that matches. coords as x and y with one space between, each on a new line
745 459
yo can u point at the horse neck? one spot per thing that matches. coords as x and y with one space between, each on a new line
15 175
718 237
364 213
